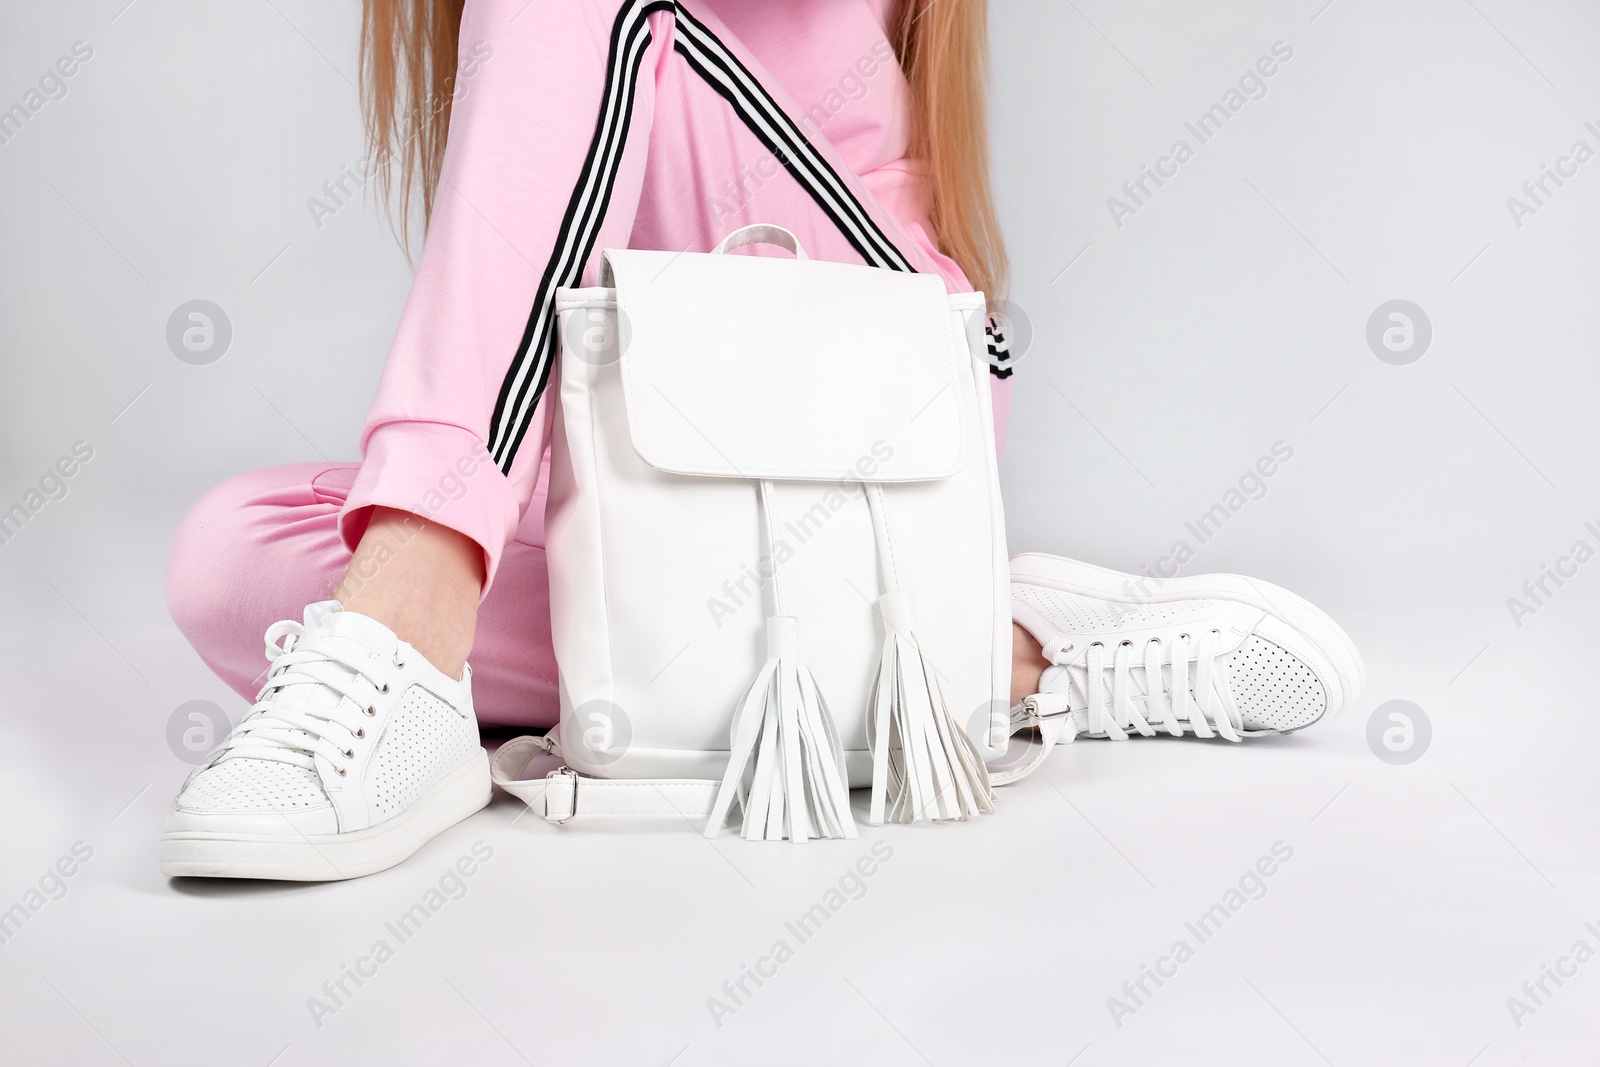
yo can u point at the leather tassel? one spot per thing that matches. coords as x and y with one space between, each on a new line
785 762
924 766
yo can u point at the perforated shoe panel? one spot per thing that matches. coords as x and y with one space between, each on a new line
1274 690
424 738
246 785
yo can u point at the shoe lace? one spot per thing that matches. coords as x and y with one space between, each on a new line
295 731
1206 705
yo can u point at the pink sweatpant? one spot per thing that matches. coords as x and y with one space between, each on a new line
577 126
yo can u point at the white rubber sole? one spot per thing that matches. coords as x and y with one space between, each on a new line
331 857
1085 579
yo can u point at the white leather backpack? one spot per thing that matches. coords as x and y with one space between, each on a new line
776 548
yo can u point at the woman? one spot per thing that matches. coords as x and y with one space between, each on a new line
576 125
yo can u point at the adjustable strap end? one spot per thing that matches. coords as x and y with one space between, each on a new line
560 799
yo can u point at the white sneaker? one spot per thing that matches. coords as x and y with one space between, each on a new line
1228 656
356 753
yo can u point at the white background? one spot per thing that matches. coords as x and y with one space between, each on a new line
1169 354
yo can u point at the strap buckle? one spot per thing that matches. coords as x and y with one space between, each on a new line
566 791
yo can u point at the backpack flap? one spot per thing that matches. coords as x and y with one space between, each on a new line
782 369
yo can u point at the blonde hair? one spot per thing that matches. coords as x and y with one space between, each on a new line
408 69
943 47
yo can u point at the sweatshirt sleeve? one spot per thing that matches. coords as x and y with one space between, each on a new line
545 160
